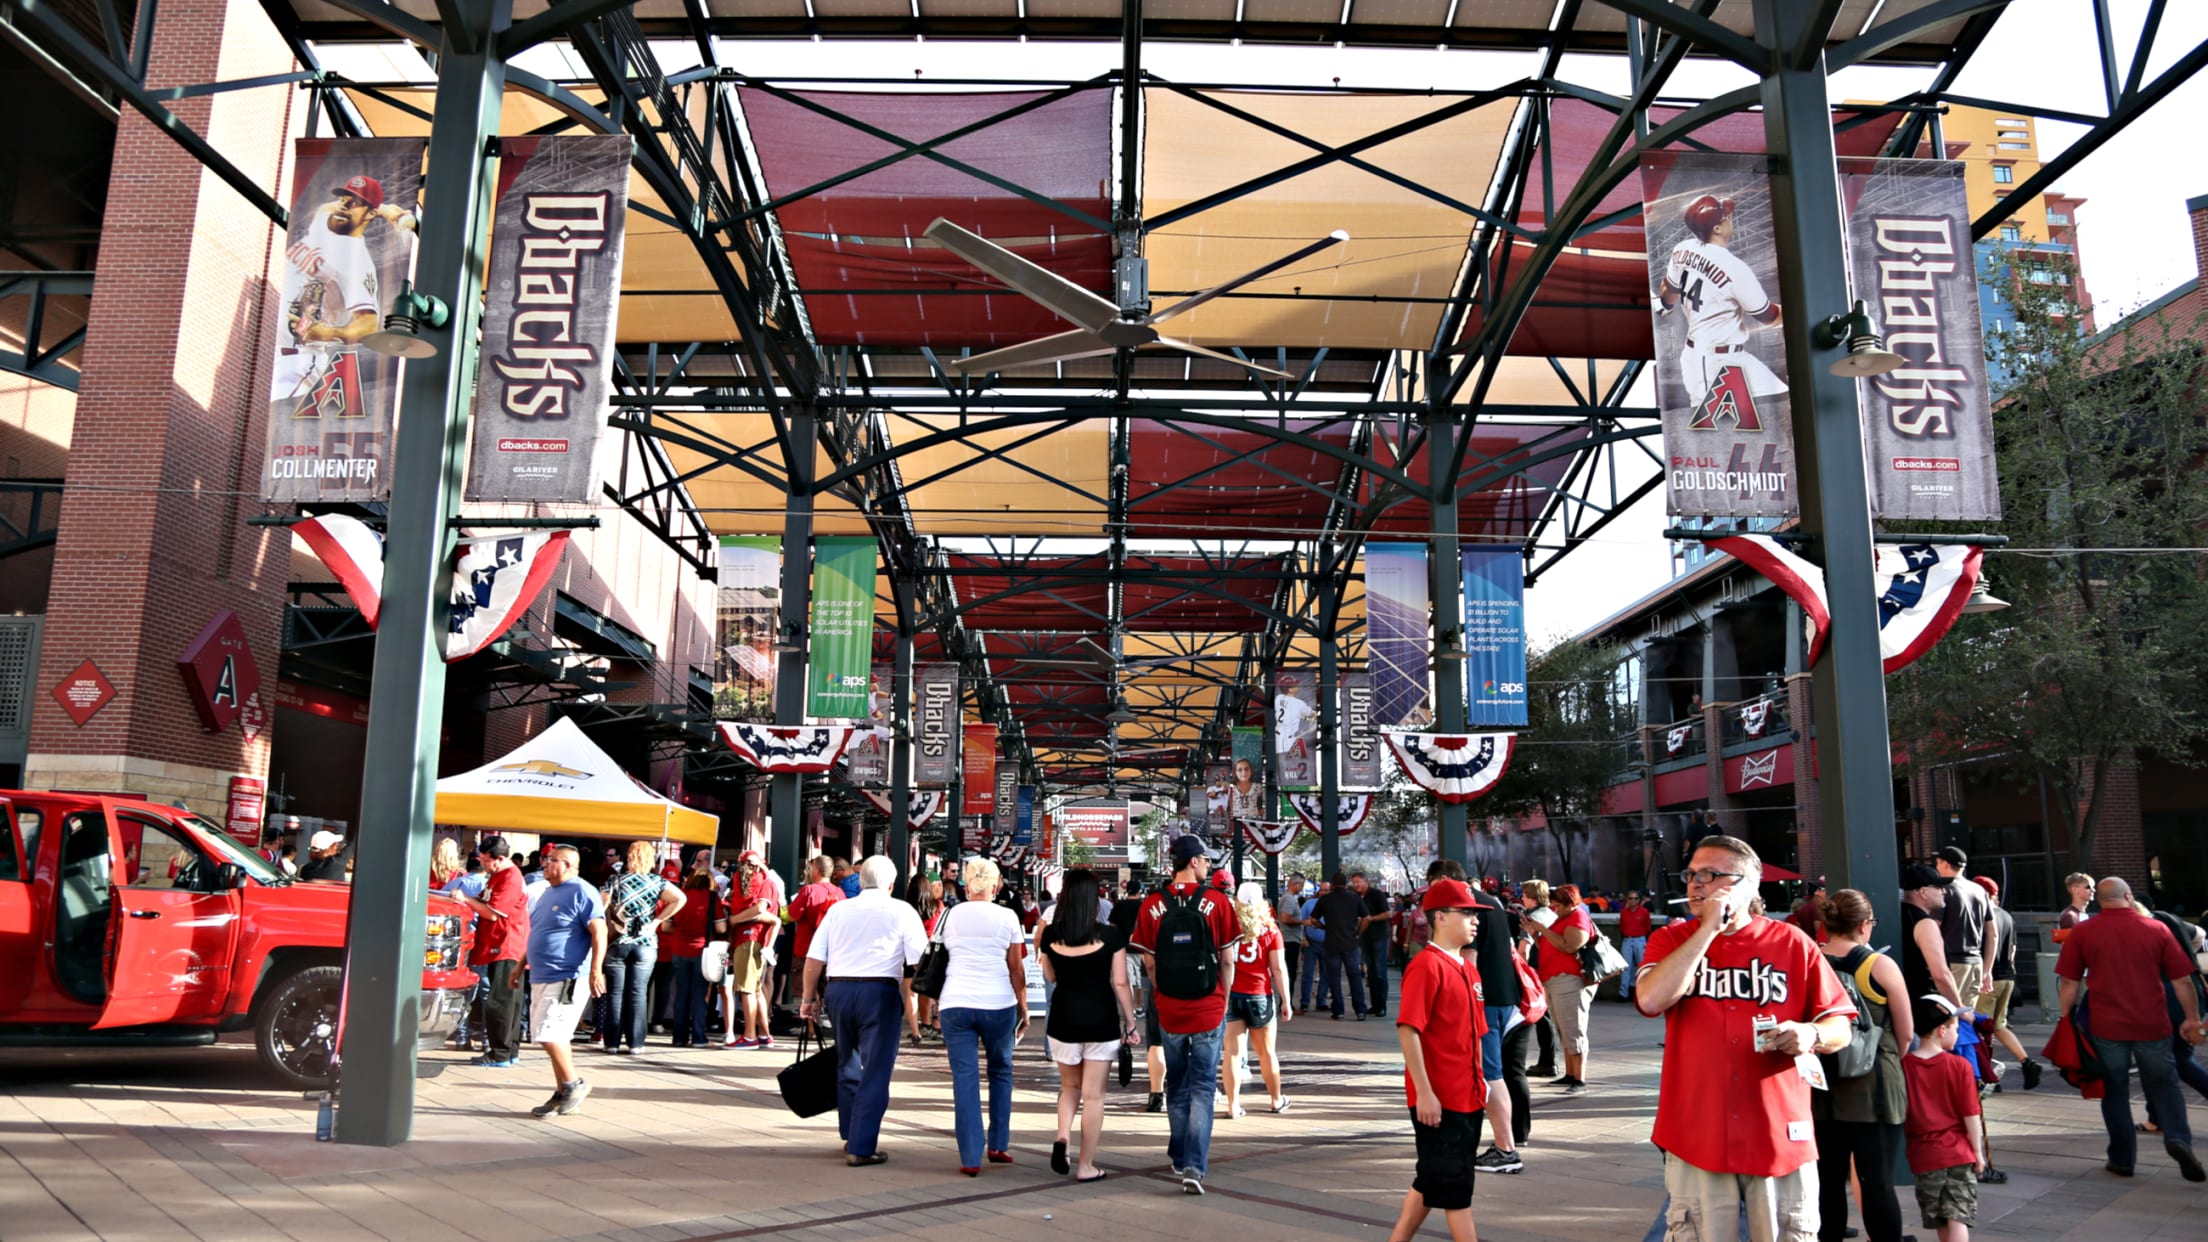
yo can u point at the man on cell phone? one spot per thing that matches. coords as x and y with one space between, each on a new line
567 969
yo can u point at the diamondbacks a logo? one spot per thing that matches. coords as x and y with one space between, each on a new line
542 767
1757 982
1728 403
1759 769
336 392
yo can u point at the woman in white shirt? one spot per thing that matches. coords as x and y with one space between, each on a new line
983 1009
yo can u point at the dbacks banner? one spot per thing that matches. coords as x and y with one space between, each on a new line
804 749
549 307
494 579
935 710
332 404
1271 836
1454 767
1350 811
1921 590
1928 426
1361 757
1720 359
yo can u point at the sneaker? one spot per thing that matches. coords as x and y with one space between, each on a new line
1192 1183
1156 1103
2032 1072
1575 1087
2187 1162
487 1063
766 1041
1544 1070
1237 1113
550 1106
2111 1167
1282 1104
1496 1160
741 1043
577 1092
1993 1177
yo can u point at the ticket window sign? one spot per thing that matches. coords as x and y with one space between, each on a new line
248 803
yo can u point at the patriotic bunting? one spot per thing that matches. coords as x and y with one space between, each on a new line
804 749
1753 716
1675 738
494 578
1454 767
1350 811
1921 590
353 550
921 805
1270 835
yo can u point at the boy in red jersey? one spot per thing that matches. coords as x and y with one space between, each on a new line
1945 1129
1440 1023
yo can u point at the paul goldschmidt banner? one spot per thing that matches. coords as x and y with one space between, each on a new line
1720 361
1928 426
333 405
549 309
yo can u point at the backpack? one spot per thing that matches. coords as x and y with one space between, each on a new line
1188 961
1860 1058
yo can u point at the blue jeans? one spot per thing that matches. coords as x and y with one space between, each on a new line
1633 949
869 1017
1336 964
1375 955
1312 981
477 998
628 975
693 1003
1191 1074
991 1030
2157 1077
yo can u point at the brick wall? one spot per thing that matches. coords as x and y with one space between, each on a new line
1809 841
170 425
2119 844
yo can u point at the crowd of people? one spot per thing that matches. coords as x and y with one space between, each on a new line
1800 1061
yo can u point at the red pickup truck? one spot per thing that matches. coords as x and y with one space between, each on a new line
127 922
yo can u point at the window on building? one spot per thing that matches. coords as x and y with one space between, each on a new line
2004 174
2012 232
2014 146
2058 217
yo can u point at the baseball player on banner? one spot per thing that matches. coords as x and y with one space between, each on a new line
1722 302
331 300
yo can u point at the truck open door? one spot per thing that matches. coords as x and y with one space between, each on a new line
173 935
20 945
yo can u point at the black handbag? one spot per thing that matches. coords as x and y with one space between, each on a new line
935 964
809 1083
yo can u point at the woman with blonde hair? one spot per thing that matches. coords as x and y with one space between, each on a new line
444 864
1260 995
983 1009
638 904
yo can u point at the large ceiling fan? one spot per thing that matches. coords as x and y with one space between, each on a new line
1104 328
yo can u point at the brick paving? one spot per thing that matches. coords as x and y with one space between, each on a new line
193 1144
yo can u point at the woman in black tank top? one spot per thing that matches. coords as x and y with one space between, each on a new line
1092 1012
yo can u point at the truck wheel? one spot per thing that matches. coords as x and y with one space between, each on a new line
296 1026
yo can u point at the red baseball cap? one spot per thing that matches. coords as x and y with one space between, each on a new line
1704 213
366 189
1446 894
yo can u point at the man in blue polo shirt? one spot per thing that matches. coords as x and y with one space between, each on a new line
567 960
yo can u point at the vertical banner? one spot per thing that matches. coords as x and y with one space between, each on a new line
1023 820
749 618
1246 788
1296 728
973 834
1007 809
1720 358
868 759
1396 601
979 761
935 712
1102 824
1495 636
1361 753
1928 426
1218 800
333 405
842 638
549 307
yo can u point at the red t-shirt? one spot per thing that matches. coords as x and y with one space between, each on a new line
758 930
504 939
1633 921
1942 1091
1722 1106
1188 1017
807 909
692 926
1442 1001
1253 964
2125 956
1555 961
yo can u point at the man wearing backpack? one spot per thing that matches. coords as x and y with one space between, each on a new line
1186 935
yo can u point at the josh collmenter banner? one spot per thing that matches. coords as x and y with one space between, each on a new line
1720 360
549 309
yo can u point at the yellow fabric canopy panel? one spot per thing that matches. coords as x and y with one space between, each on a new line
559 784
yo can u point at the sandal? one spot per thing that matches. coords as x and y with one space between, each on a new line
1100 1176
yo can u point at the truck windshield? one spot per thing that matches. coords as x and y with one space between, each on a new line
223 844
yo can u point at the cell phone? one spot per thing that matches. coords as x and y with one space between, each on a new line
567 992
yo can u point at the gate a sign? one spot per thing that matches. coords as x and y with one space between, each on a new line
219 672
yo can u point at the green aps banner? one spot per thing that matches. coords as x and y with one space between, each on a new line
841 648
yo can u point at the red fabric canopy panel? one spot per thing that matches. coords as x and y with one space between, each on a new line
1491 507
1588 306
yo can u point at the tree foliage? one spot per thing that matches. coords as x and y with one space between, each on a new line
2097 661
1572 749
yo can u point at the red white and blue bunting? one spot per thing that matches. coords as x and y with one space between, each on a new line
804 749
1921 590
1270 835
1754 715
1454 767
1350 811
921 805
494 578
352 550
1676 737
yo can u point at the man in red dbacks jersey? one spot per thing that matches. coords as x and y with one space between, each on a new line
1732 1120
1441 1064
1192 1028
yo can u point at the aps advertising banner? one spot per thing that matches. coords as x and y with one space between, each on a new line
1928 426
841 652
979 774
1720 360
550 303
1495 636
935 708
1023 821
867 762
1361 753
333 405
1296 728
1396 602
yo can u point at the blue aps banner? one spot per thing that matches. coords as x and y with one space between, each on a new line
1495 636
1023 822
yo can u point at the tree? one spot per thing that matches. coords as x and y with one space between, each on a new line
1570 752
2096 663
1400 830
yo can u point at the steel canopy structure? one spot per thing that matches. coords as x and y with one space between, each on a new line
1461 369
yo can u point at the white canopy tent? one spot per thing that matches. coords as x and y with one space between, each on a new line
559 784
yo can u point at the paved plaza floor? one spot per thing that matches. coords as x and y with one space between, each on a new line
194 1144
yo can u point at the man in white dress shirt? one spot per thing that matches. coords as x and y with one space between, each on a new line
855 967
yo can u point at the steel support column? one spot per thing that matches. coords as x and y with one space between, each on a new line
785 833
1330 756
900 761
1848 686
1445 582
383 957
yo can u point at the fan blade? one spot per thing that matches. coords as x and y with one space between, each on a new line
1335 238
1189 347
1064 347
1062 297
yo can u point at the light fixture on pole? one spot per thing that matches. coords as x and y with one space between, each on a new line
1867 353
400 336
1982 598
786 640
1121 713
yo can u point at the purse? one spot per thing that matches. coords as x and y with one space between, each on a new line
1599 959
808 1084
713 963
934 969
1533 999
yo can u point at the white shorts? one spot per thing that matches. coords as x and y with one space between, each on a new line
1074 1054
551 1020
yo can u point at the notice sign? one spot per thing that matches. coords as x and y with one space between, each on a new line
84 692
549 307
1495 636
243 820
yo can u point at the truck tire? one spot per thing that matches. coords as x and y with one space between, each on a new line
295 1026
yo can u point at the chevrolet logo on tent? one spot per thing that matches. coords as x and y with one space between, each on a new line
542 767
